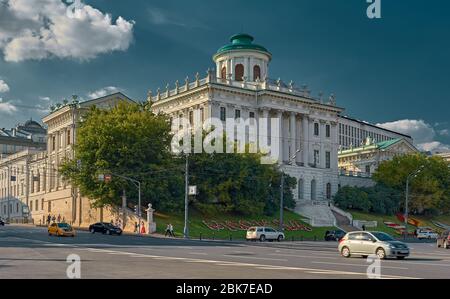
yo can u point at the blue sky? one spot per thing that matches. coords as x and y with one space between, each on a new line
393 71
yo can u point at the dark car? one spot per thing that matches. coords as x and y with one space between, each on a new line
334 235
105 228
2 223
444 240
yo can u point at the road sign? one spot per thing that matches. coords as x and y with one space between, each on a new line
192 190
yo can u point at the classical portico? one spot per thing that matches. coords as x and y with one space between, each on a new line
240 88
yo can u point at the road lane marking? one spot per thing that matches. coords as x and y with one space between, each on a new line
306 256
357 265
254 258
198 253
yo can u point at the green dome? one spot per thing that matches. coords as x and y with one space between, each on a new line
241 41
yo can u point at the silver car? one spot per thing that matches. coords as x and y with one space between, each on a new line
264 233
367 243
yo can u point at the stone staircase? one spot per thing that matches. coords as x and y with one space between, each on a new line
318 213
343 222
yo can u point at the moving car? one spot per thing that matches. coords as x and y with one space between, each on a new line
61 230
426 234
444 240
334 235
367 243
105 228
264 233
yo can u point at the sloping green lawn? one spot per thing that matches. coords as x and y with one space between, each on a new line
197 227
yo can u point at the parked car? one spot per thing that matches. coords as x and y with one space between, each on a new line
264 233
105 228
444 240
61 230
426 234
334 235
367 243
2 223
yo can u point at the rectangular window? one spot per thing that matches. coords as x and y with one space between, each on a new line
328 159
223 114
191 118
316 129
237 114
53 143
69 141
36 205
327 131
42 204
316 157
31 206
202 115
252 114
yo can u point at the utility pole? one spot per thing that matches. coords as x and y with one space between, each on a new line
282 202
408 178
9 192
282 191
186 199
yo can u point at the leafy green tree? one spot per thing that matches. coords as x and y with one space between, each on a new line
429 190
128 140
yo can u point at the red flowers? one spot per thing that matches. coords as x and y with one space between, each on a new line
242 225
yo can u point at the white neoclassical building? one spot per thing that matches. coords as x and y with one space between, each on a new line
240 88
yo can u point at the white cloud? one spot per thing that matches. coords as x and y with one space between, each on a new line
45 99
3 86
423 133
444 132
39 29
434 146
7 108
103 92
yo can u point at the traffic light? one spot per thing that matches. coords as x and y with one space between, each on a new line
136 210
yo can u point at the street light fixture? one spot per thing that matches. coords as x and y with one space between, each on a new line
107 178
410 176
282 190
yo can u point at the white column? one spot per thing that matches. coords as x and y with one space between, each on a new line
293 135
280 133
322 143
305 145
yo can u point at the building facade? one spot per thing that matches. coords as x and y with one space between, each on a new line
363 161
353 133
30 183
241 89
30 135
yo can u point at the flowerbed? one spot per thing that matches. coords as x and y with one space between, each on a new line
243 225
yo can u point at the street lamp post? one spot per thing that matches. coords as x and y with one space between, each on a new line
138 185
186 199
408 179
282 191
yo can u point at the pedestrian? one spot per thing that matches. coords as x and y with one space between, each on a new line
54 218
168 230
142 228
171 230
64 219
49 218
59 218
135 227
364 227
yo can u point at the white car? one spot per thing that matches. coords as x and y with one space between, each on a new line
426 235
264 233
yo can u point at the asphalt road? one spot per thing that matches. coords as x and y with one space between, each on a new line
28 252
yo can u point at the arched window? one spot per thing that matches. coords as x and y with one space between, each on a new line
313 190
300 189
328 191
256 72
223 73
239 72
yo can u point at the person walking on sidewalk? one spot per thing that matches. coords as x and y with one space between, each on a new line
171 230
